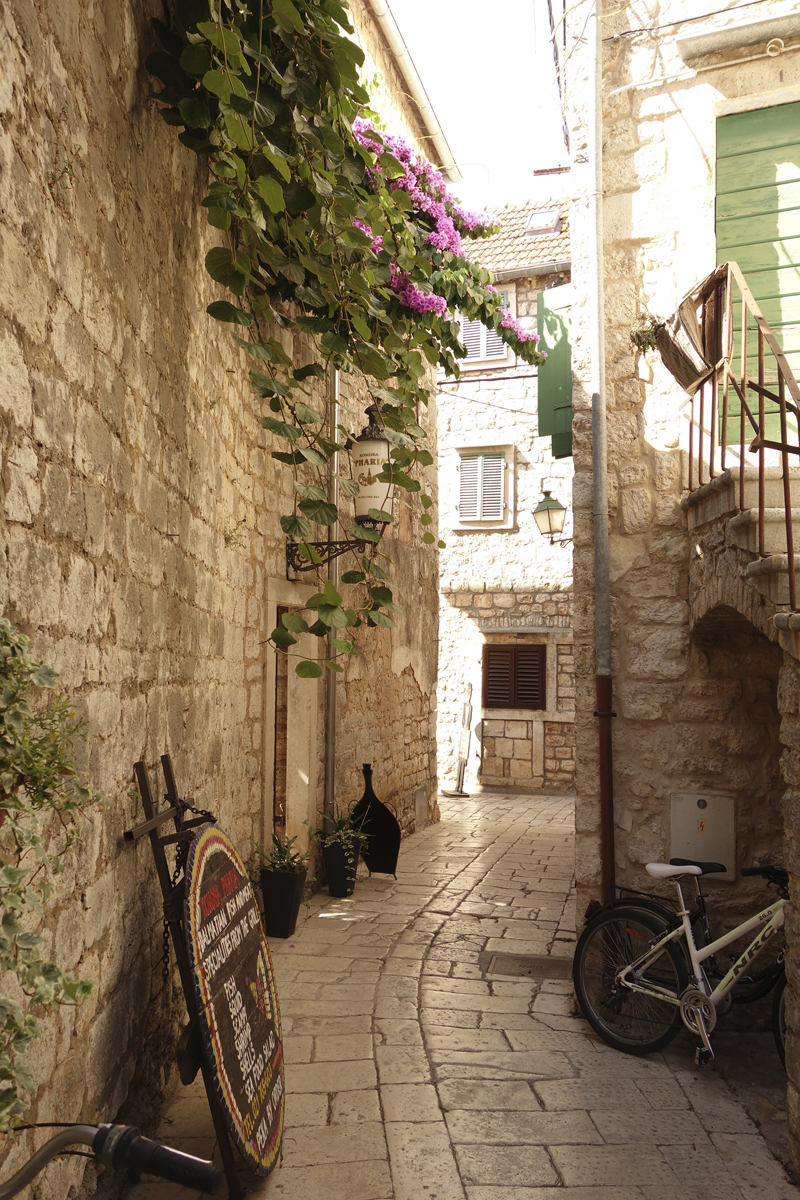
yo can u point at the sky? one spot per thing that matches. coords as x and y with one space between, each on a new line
489 72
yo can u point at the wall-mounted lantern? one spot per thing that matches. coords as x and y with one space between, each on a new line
549 516
370 453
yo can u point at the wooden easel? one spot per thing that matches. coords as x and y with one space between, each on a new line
189 1051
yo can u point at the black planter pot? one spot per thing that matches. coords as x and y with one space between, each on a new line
283 895
340 874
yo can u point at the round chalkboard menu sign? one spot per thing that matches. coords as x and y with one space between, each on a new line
237 999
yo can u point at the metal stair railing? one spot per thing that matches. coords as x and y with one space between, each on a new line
717 306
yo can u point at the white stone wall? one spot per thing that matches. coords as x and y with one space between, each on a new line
141 548
509 583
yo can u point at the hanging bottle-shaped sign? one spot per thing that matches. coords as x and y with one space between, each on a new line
381 831
370 454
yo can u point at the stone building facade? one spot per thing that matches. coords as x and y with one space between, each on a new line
704 664
139 515
502 583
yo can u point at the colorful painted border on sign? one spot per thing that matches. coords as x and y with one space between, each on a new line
237 998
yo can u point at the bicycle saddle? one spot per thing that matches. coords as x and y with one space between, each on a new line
671 871
706 868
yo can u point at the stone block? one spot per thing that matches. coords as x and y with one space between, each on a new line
16 395
92 443
523 748
516 729
23 493
77 597
521 768
34 578
504 747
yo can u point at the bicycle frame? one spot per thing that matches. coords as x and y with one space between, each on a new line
768 922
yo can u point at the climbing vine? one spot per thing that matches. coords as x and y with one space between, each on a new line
330 226
40 799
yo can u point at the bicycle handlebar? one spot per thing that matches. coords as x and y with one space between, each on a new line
778 875
121 1146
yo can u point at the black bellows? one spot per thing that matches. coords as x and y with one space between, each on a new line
380 830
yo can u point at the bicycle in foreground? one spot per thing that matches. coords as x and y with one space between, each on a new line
120 1147
639 974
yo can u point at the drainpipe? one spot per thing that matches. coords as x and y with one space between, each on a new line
329 799
596 308
404 61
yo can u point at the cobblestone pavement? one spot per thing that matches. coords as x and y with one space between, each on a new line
410 1075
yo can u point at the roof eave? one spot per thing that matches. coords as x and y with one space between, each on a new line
557 264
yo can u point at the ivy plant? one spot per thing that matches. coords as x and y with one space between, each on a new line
330 226
41 798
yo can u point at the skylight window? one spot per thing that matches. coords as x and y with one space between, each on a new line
547 220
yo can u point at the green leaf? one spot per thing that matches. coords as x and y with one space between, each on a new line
195 60
265 383
332 666
194 110
296 527
257 349
348 487
289 19
330 593
332 616
378 514
310 491
281 428
308 669
294 622
426 501
306 415
222 37
218 84
314 369
353 577
426 519
281 638
271 193
428 539
221 310
376 617
321 513
219 263
220 218
313 456
364 534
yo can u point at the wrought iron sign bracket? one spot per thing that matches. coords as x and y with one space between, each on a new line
325 552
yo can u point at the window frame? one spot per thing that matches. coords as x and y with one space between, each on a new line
504 360
485 524
513 650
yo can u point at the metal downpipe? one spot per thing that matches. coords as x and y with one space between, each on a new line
604 690
329 798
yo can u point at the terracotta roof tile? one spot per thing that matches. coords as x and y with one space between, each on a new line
512 248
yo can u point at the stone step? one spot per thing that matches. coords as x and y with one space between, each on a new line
744 527
720 496
770 576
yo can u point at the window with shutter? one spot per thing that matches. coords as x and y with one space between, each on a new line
555 374
514 676
482 486
482 343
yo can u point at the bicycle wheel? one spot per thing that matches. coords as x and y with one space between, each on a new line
779 1017
628 1021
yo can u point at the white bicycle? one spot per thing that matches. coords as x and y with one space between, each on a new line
637 982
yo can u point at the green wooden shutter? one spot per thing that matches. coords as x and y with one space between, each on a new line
758 226
555 375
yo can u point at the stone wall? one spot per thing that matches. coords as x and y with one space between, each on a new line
669 694
500 583
141 544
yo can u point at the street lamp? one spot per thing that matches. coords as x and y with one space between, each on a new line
370 453
549 516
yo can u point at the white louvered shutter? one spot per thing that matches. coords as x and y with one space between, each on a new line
471 337
492 487
469 489
495 346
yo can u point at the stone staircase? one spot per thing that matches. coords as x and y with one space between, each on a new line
719 501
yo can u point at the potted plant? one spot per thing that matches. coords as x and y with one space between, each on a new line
341 844
283 879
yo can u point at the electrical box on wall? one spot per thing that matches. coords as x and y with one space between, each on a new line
703 826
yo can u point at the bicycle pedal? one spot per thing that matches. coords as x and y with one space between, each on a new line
703 1057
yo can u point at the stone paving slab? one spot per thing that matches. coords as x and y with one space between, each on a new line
411 1075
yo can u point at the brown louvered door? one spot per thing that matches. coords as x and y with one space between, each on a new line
514 677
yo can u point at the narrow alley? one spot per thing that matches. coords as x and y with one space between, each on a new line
413 1071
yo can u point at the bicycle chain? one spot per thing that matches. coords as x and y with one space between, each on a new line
181 856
